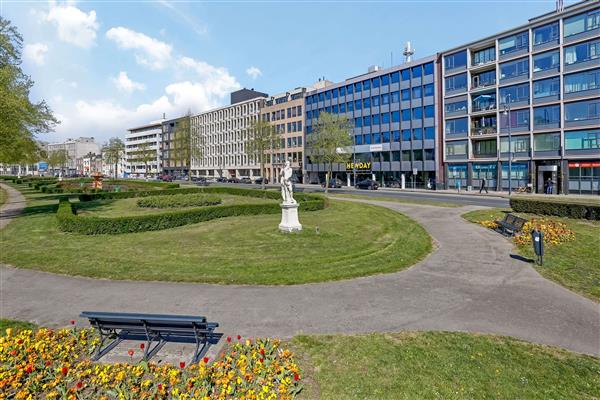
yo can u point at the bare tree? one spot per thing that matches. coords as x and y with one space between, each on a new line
262 139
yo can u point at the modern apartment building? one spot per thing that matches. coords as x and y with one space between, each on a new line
541 82
393 112
76 149
221 135
140 143
285 112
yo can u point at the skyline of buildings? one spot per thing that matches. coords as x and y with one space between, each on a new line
441 120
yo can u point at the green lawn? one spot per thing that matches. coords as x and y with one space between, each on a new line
353 240
441 365
575 265
396 200
10 323
117 208
3 196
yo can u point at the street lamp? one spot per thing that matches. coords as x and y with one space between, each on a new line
353 158
507 113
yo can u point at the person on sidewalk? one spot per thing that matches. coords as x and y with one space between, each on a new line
483 186
549 186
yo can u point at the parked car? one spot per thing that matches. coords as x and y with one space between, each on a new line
221 179
245 180
333 183
200 180
166 178
393 183
233 179
368 184
259 181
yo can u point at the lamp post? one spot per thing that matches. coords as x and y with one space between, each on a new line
507 113
353 158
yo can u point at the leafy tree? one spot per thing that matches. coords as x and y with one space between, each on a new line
328 142
58 159
262 139
186 144
20 119
113 152
145 153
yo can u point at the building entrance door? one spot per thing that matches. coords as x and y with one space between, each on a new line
547 174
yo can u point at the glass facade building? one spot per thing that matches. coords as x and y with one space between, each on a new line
393 114
541 81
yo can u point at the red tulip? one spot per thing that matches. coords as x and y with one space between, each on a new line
130 352
160 387
29 369
296 377
239 337
20 341
182 365
261 360
64 370
228 339
262 351
142 345
13 353
79 385
205 359
47 363
72 322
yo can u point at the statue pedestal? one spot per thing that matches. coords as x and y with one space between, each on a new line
289 218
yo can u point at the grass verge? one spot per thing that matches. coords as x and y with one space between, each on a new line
441 365
575 265
11 323
3 196
352 240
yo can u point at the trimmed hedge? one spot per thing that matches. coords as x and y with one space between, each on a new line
563 208
179 201
68 221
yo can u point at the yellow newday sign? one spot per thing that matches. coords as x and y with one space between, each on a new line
350 166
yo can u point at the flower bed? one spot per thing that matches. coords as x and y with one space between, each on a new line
179 200
555 232
47 364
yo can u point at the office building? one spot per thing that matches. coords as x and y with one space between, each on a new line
142 150
540 82
285 112
75 149
220 135
393 113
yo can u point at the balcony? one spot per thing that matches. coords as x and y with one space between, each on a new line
483 108
477 130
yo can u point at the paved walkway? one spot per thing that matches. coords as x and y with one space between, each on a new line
469 283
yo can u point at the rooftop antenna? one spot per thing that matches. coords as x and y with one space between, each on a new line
560 6
408 52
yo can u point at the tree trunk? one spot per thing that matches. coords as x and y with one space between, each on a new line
262 173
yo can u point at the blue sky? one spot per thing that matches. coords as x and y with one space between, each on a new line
105 66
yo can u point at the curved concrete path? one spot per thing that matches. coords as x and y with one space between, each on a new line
469 283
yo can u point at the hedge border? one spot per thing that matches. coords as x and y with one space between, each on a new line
179 201
562 208
68 221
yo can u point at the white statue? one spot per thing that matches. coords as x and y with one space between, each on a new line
287 189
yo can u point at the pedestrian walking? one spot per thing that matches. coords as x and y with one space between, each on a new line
483 186
549 186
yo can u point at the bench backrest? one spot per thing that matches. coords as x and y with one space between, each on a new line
519 222
509 219
139 322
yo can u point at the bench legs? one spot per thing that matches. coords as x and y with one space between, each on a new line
104 334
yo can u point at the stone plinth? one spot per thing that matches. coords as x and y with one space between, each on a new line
289 218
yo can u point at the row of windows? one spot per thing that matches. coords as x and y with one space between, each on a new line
291 112
394 116
588 110
404 135
292 127
574 140
387 156
572 26
383 80
228 113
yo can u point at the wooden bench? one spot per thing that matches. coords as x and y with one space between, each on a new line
154 329
511 224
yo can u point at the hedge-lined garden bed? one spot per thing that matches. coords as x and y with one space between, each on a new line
179 201
69 221
560 208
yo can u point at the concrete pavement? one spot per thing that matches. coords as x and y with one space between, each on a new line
469 283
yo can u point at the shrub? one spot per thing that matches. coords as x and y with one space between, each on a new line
68 221
179 200
59 368
562 208
135 193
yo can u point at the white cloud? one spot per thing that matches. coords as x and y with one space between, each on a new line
74 26
254 72
35 53
123 83
149 52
